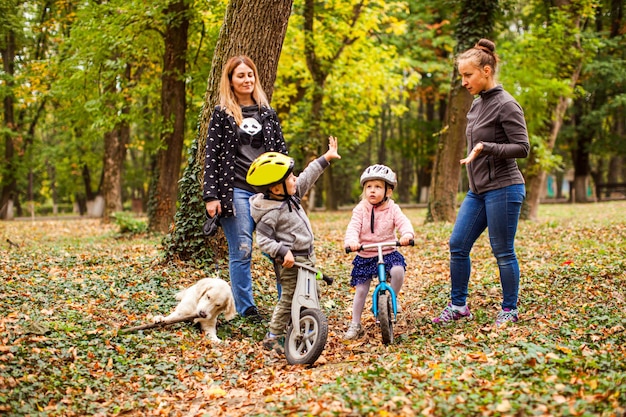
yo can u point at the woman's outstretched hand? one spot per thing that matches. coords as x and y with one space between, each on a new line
472 155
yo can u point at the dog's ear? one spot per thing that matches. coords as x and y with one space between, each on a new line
230 312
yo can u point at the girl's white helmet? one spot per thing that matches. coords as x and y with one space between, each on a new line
379 172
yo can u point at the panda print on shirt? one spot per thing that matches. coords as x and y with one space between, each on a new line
251 126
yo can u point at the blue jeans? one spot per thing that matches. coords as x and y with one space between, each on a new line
238 230
499 211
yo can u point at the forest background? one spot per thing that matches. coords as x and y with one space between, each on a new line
103 101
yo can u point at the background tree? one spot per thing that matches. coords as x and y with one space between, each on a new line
597 113
562 22
336 73
477 20
173 105
256 29
10 33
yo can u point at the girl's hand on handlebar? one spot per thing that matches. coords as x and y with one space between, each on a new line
289 260
354 247
406 239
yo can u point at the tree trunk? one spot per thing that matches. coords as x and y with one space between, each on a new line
253 28
9 182
478 22
256 29
173 105
447 169
114 153
115 143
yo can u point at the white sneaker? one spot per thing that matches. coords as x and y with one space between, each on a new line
354 332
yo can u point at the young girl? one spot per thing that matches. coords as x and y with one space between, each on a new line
375 219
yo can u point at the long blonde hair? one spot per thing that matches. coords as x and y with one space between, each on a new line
228 99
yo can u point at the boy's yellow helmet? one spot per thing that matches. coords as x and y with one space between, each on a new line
269 168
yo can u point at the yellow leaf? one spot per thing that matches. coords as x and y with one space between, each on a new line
215 392
504 406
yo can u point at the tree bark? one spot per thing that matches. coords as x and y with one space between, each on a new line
9 182
173 105
478 20
256 29
451 148
115 143
253 28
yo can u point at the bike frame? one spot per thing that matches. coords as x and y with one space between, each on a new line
382 278
305 294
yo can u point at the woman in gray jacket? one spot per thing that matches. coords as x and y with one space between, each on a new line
496 136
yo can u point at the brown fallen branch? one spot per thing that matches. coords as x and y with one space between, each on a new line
12 243
158 324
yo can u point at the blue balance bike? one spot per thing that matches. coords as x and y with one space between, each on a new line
384 303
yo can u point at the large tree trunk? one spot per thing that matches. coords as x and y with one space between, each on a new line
256 29
9 183
169 157
478 22
115 143
447 169
114 153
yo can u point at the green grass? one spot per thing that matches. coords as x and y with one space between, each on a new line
72 284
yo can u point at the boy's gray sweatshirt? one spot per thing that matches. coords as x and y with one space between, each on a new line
282 226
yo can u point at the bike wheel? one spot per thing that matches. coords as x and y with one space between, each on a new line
385 317
306 348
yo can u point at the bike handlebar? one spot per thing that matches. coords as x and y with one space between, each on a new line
380 245
328 280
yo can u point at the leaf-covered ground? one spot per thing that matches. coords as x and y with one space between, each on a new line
68 286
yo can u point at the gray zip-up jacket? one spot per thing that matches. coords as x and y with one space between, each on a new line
496 120
283 226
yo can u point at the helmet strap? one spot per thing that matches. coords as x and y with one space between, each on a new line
380 203
291 202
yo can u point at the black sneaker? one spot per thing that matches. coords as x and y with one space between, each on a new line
253 315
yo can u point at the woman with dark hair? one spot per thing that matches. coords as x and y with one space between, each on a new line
496 136
242 127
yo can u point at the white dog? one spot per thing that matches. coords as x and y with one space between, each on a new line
207 298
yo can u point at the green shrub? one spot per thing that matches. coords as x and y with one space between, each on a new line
129 224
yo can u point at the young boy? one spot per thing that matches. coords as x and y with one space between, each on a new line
283 229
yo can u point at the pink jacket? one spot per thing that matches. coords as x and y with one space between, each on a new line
387 220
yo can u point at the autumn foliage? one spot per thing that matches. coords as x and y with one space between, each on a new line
68 286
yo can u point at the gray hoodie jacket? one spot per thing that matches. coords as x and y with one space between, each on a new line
496 120
283 226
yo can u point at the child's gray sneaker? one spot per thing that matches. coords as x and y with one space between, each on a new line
275 343
449 314
507 315
354 332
